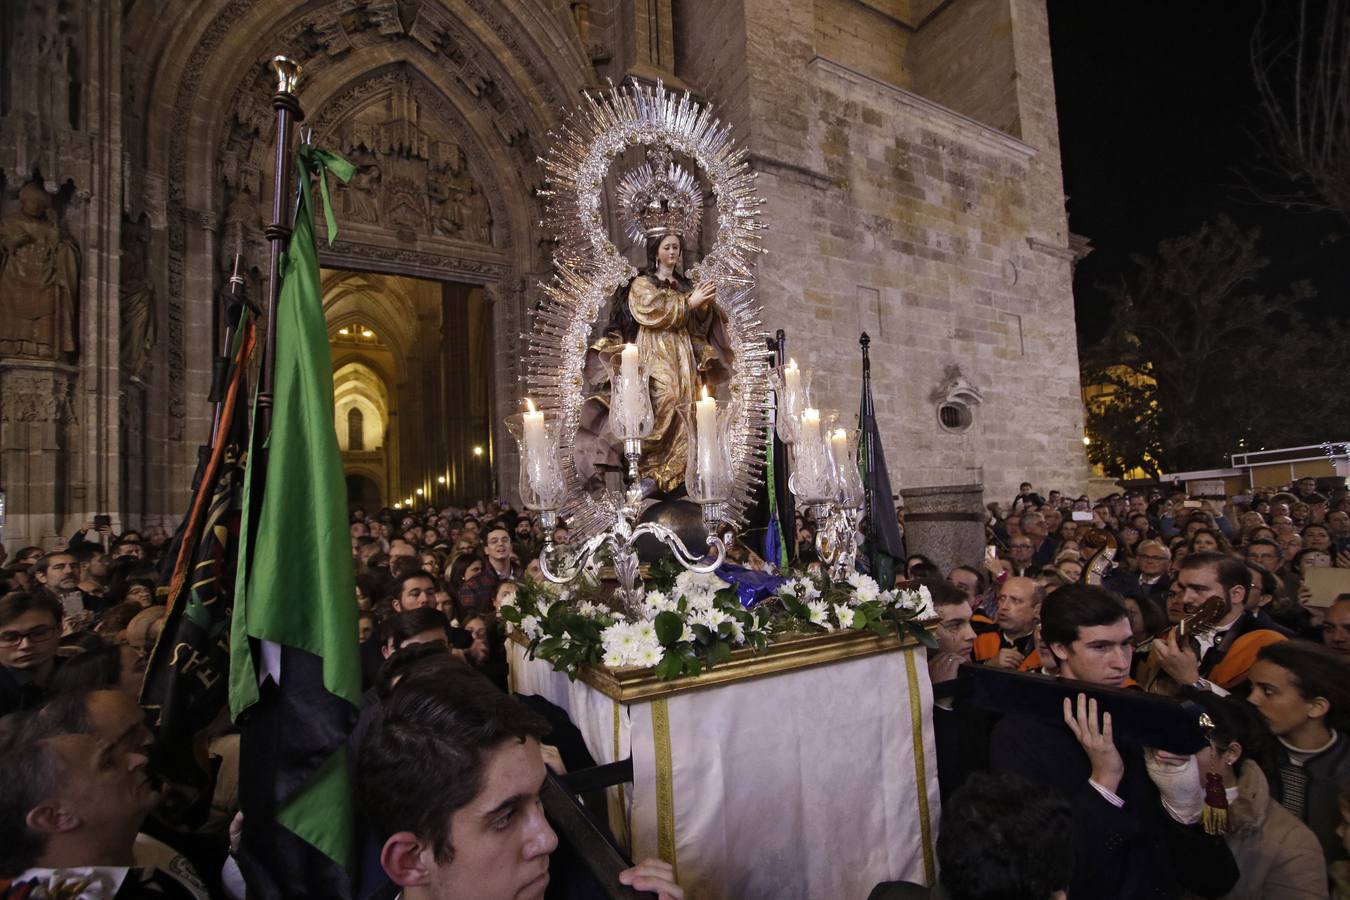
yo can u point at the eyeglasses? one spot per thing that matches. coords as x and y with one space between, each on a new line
33 636
1154 557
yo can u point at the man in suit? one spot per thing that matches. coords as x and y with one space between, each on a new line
1126 843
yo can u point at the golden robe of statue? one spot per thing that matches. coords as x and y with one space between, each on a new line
682 349
675 343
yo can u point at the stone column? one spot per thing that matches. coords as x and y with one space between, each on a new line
37 421
945 523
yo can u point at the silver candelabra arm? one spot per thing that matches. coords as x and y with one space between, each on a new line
572 561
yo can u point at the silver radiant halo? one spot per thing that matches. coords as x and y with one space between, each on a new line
588 268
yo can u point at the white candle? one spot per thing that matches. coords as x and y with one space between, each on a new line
628 372
839 446
536 445
707 433
810 425
792 380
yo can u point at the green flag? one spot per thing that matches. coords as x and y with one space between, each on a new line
294 612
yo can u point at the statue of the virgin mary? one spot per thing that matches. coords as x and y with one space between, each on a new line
677 326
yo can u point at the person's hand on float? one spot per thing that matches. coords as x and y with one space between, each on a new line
1096 740
654 876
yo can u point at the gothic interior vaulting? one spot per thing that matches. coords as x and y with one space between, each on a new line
908 150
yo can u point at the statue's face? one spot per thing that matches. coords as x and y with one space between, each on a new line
33 202
668 252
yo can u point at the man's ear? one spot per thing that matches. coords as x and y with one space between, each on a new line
1318 707
1237 597
406 860
387 649
1059 652
50 817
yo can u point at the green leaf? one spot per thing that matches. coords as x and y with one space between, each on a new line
669 626
719 653
670 667
510 614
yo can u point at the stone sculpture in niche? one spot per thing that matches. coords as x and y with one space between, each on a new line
39 279
137 297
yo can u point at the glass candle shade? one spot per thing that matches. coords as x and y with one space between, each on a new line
792 393
541 481
707 472
814 479
630 401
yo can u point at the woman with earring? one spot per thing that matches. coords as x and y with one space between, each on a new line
1278 856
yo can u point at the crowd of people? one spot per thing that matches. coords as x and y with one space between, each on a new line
1140 591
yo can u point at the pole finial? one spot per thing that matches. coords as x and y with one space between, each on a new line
287 73
866 342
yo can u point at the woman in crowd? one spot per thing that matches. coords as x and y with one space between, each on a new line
1278 857
461 569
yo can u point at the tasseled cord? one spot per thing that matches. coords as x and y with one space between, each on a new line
1215 814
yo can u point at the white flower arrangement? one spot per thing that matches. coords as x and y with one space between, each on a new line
689 621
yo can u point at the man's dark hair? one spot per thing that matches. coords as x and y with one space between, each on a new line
426 752
1316 671
981 578
1267 542
419 661
1076 606
419 573
943 592
1232 571
46 560
411 622
16 603
33 772
92 669
1006 838
401 566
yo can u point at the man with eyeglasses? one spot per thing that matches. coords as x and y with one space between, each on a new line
30 630
1264 553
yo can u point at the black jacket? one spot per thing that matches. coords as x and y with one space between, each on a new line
1132 852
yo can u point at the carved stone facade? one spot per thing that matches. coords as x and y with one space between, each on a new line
908 151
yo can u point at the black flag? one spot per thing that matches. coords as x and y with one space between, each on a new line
885 546
187 677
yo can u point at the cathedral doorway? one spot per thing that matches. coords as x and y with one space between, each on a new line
413 373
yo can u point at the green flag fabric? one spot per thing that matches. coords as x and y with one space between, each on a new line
294 585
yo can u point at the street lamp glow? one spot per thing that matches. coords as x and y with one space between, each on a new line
1086 440
477 451
419 492
441 480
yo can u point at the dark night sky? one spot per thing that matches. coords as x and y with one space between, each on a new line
1156 110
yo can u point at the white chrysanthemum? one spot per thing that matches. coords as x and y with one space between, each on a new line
648 656
737 631
844 615
645 632
529 626
710 618
818 614
865 587
613 661
926 609
687 634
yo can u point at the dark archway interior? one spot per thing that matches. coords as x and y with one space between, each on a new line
363 491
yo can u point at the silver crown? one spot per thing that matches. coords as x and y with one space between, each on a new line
659 198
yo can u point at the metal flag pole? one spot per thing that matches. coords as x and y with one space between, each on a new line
782 469
220 366
279 231
865 413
